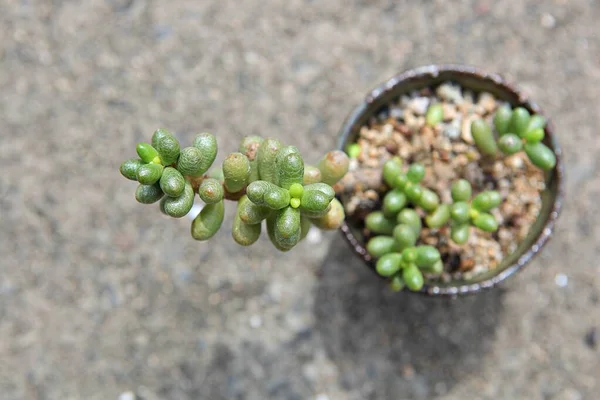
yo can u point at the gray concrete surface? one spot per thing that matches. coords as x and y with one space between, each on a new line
100 296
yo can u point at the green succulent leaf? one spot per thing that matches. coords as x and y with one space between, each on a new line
536 122
266 159
378 246
413 278
415 173
207 144
483 137
209 221
461 190
397 283
211 191
314 203
245 234
459 232
410 217
305 224
378 223
146 152
236 171
178 207
540 155
172 182
409 255
353 150
149 174
405 236
333 166
250 213
191 162
437 268
459 212
130 167
392 168
534 136
485 201
486 222
413 192
321 187
401 182
439 217
287 227
393 202
502 119
435 114
519 121
312 174
167 146
148 194
334 217
264 193
290 168
389 264
427 256
429 200
510 144
249 147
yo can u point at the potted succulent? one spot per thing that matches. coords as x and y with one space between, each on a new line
455 180
268 181
446 181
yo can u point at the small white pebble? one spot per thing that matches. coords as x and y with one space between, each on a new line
322 397
127 396
196 208
548 21
255 321
314 235
561 280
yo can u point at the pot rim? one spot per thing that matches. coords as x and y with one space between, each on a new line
545 233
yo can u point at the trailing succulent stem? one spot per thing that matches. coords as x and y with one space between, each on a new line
269 181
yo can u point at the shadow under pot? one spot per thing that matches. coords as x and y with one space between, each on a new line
455 180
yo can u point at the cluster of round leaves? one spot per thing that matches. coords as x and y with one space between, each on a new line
397 226
517 130
269 182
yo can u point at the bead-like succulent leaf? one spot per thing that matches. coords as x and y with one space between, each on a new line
167 146
333 166
236 171
178 207
209 221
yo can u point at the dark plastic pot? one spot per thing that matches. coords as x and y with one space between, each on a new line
473 79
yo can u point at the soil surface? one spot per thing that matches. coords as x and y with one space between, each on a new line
103 298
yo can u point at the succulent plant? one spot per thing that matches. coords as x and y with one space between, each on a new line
269 182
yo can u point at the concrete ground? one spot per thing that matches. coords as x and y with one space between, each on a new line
101 297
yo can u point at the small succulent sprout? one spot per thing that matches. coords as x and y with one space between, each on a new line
209 221
250 213
461 190
429 200
334 217
149 174
172 182
487 200
397 283
392 169
405 236
486 222
207 144
393 202
540 155
510 144
290 168
296 191
439 217
167 146
236 171
459 232
415 173
130 167
434 115
266 156
413 277
178 207
378 223
378 246
333 166
211 191
190 162
410 217
519 121
502 119
146 152
353 150
312 174
148 194
246 234
483 137
287 227
389 264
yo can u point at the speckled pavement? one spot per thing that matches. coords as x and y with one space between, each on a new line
103 298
